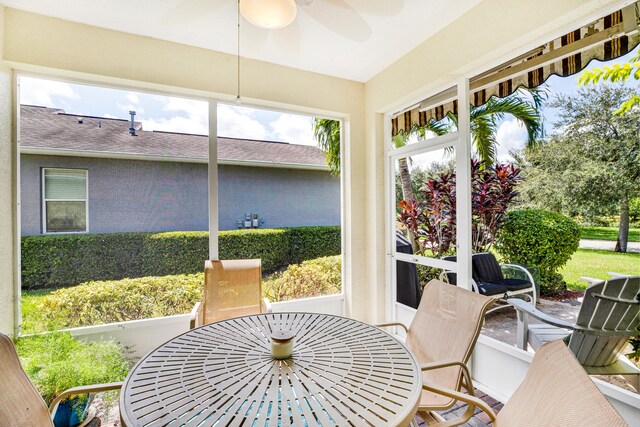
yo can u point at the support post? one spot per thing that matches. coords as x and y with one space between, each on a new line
463 187
213 179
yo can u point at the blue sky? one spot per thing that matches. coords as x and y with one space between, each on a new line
189 116
166 113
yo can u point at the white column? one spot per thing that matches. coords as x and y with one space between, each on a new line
213 179
9 248
463 186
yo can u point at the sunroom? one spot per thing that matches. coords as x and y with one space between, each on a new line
377 75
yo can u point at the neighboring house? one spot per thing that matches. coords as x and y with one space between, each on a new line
90 174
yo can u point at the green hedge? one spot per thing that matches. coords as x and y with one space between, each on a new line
94 303
64 260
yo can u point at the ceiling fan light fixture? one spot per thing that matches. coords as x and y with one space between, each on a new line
269 14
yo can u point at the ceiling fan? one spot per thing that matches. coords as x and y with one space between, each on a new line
342 17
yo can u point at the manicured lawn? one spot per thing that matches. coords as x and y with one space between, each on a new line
31 321
607 233
593 263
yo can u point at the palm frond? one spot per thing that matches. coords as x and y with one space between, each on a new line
525 112
326 132
483 131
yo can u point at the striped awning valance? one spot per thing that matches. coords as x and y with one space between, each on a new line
607 38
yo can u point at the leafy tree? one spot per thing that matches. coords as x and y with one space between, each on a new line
615 73
593 164
433 220
419 175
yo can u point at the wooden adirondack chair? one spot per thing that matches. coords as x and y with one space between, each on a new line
608 317
556 392
232 288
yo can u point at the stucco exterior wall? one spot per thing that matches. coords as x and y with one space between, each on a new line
137 195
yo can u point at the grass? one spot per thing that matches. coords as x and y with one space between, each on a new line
31 319
607 233
596 263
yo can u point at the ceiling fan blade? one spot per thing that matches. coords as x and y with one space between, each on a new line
377 7
338 16
186 11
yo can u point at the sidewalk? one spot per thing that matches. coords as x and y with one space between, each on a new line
607 245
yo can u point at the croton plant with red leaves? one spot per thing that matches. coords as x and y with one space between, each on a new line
433 221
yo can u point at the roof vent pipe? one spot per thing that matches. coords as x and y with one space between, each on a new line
132 126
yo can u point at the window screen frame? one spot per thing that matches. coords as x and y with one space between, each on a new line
45 200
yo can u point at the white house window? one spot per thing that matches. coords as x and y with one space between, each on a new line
64 200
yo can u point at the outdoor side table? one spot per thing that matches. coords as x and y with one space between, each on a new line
342 372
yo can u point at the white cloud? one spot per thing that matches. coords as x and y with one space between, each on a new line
237 122
132 98
176 124
293 129
511 135
42 92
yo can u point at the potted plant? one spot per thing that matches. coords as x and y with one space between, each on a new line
56 362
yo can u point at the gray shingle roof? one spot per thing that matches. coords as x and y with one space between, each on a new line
52 129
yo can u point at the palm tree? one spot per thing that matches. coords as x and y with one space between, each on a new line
484 125
485 119
327 135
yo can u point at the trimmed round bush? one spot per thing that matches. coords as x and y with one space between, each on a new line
312 278
541 238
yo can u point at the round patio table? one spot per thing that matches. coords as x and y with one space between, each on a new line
342 372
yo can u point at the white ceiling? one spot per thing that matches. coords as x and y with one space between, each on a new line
352 39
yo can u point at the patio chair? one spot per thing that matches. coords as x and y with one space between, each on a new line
20 403
556 392
488 278
442 336
608 317
232 288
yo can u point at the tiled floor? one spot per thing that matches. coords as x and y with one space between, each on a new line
480 419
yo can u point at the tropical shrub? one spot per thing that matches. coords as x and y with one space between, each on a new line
64 260
316 277
433 220
56 362
541 238
95 303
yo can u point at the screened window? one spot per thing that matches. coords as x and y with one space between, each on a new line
65 200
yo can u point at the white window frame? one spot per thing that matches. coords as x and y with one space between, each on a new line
45 200
213 100
460 141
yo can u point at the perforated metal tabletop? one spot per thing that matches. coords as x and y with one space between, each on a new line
342 373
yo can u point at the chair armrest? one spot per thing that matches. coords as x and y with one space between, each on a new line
521 268
529 276
196 315
525 307
590 280
468 383
82 390
266 306
616 275
472 401
384 325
